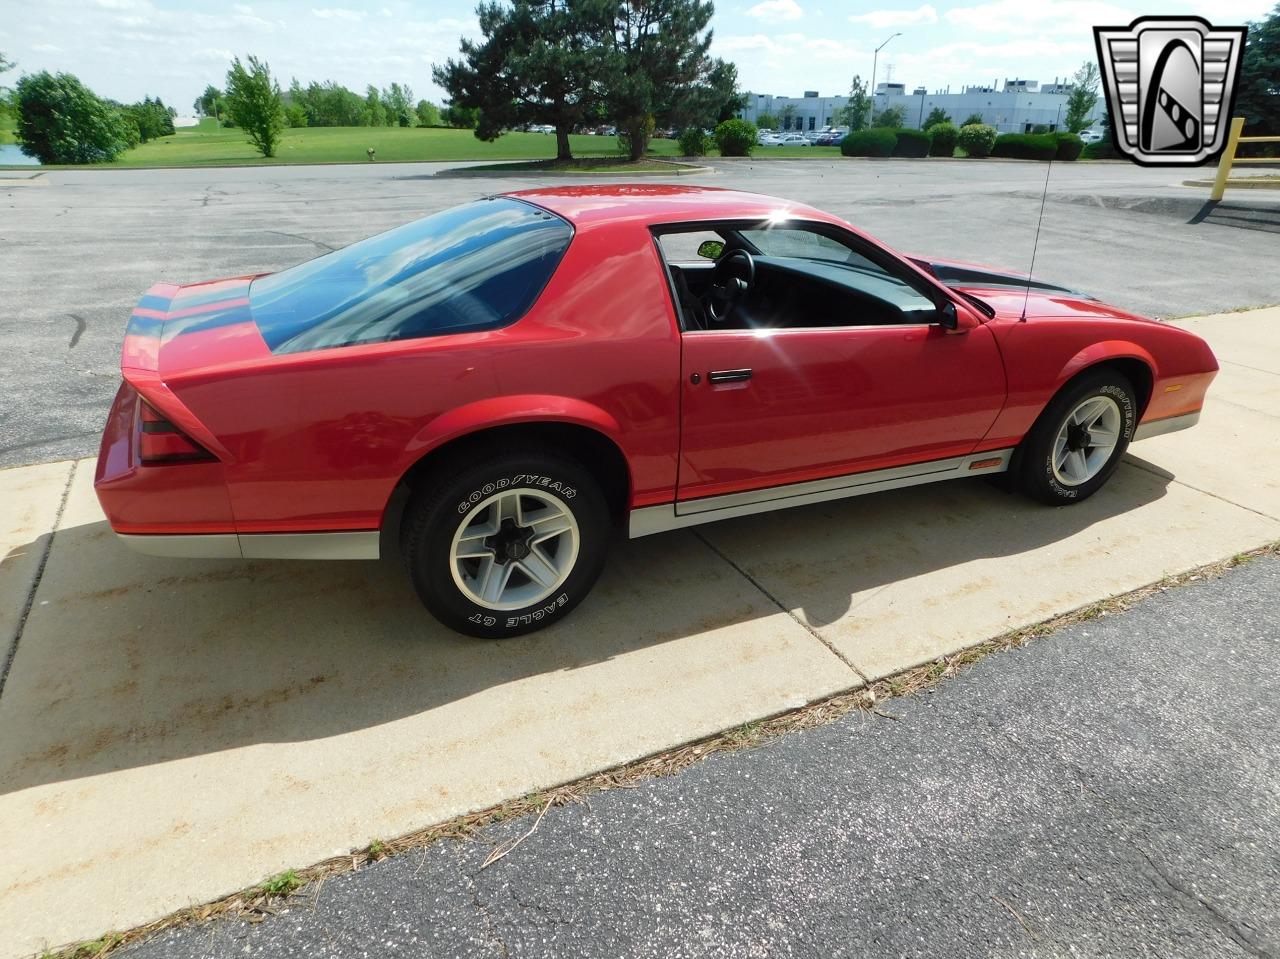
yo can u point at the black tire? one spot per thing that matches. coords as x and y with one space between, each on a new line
439 506
1034 467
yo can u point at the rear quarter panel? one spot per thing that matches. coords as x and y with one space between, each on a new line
319 440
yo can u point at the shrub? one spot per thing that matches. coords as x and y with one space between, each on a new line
1069 146
976 139
877 142
693 143
1025 146
60 120
944 139
912 143
736 138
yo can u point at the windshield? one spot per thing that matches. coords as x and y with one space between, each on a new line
474 267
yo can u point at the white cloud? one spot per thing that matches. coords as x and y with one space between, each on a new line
338 13
883 19
46 48
1045 18
773 11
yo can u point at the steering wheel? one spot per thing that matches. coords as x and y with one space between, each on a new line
727 289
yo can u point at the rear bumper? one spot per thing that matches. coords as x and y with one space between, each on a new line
1170 424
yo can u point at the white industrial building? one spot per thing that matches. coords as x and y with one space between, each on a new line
1016 106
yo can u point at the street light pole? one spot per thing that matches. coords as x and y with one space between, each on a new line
875 57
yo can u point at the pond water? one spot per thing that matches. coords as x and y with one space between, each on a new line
11 155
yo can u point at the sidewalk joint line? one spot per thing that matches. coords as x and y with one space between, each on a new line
36 580
1246 366
774 599
1230 502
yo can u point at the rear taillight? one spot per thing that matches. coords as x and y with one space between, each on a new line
162 442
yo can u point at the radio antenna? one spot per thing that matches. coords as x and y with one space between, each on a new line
1036 245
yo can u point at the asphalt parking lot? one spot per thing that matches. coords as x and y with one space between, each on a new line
1038 805
172 732
78 248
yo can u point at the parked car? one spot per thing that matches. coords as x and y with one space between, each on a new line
788 140
1092 136
768 139
830 138
494 389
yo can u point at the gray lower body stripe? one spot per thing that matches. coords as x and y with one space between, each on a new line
668 516
345 545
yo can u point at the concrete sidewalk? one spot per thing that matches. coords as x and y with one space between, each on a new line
175 731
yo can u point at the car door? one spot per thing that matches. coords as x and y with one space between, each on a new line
763 408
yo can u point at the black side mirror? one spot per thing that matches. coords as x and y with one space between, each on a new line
947 318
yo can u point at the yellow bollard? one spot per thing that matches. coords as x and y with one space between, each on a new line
1228 155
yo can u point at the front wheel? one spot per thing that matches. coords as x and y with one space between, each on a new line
507 546
1079 439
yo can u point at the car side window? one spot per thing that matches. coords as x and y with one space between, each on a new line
809 277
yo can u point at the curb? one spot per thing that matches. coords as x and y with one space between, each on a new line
496 170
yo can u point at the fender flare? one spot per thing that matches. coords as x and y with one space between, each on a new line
510 411
1096 353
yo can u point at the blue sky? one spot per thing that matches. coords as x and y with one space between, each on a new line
127 48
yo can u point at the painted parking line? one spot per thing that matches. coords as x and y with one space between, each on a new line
177 730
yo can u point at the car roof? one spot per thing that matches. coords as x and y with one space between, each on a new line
653 203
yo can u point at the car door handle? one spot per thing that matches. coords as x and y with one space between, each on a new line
728 376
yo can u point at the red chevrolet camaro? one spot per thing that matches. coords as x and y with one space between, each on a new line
493 389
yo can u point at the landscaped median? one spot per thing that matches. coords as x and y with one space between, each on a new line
176 732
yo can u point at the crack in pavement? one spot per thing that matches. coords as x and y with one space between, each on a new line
35 581
1164 881
777 602
80 328
483 910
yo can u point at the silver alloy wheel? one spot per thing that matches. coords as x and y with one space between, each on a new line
1086 440
514 549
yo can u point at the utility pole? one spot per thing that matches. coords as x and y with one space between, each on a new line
874 58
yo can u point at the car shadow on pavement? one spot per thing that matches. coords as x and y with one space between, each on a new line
128 661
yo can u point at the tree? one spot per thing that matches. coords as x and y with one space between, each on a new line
60 120
785 114
254 104
150 118
890 117
459 117
657 56
854 113
972 119
330 105
1259 98
399 104
540 62
209 103
428 114
375 114
936 115
1084 94
6 95
766 121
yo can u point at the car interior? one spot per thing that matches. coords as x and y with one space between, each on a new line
784 276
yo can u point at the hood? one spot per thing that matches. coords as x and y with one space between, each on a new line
1009 303
1008 291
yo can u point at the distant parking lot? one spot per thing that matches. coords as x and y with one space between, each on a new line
79 247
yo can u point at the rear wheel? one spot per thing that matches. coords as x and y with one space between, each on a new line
507 546
1079 439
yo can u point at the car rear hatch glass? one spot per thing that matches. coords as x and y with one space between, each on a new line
474 267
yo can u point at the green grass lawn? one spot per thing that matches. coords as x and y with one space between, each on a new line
211 145
6 130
